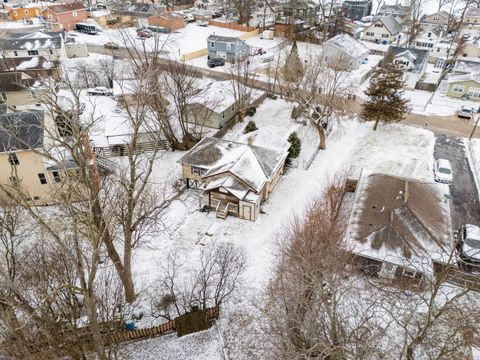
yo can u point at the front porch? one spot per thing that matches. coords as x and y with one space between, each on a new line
222 207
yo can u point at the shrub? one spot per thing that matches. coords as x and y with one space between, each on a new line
251 126
295 145
251 111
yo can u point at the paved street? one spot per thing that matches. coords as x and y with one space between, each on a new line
465 204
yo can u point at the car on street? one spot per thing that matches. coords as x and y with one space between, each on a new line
99 90
111 45
215 62
466 112
468 243
144 34
442 171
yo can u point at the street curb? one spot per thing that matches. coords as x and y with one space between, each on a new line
472 161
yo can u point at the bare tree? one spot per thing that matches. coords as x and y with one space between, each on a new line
321 93
243 9
241 81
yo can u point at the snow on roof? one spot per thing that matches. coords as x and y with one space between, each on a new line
391 24
230 183
220 38
472 12
466 77
266 137
348 45
37 40
402 221
254 165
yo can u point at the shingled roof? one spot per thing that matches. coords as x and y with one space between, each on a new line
254 165
21 131
399 220
37 40
63 8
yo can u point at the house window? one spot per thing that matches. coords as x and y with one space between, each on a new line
229 46
458 88
198 170
3 96
13 159
56 176
429 34
378 25
14 13
32 52
436 18
370 34
384 35
26 12
409 273
473 91
51 52
212 44
14 181
42 178
15 53
74 13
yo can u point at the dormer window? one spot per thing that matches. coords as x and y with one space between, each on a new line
212 44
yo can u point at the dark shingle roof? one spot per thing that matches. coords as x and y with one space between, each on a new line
420 55
37 40
63 8
21 131
14 81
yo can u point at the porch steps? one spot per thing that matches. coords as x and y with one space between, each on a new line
222 212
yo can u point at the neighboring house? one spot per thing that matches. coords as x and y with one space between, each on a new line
399 228
226 47
385 30
472 16
464 86
49 45
305 11
130 12
471 48
413 62
215 104
466 66
17 88
67 15
287 28
345 47
440 18
21 12
35 67
356 9
21 133
429 37
235 177
398 11
173 21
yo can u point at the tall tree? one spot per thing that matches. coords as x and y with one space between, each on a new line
385 96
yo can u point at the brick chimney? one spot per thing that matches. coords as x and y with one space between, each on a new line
250 140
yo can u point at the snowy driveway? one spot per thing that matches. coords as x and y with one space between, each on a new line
465 205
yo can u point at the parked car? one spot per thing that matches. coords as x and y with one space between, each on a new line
442 171
144 34
216 15
99 90
466 112
468 243
202 23
159 29
188 18
111 45
86 28
265 58
215 62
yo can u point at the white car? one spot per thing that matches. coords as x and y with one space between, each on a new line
466 112
100 90
468 244
442 171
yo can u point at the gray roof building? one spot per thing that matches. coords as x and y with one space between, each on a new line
417 57
21 130
391 23
38 40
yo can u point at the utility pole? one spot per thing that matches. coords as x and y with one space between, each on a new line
477 115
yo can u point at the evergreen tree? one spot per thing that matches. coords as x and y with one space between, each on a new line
251 126
293 68
295 145
385 96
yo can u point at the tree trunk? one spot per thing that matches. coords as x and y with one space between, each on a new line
321 135
376 124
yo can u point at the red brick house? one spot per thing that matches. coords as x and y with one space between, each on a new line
67 15
172 21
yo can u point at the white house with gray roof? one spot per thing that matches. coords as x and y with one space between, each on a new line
235 177
227 47
49 45
385 30
345 47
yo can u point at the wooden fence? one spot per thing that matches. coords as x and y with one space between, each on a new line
232 26
165 328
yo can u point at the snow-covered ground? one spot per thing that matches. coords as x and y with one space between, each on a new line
191 38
